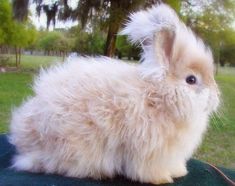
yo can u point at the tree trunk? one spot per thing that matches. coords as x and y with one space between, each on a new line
116 16
20 9
111 39
19 56
16 53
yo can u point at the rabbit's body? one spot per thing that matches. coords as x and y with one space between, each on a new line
99 117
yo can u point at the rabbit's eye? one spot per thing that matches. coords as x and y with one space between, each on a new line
191 80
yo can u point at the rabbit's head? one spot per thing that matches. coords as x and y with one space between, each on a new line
177 61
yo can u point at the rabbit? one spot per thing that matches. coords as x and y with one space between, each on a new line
97 117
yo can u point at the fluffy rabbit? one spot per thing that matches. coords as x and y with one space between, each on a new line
100 117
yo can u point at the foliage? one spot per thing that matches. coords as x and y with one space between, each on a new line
49 9
32 37
227 47
86 42
212 20
5 20
55 43
125 49
227 55
13 33
19 35
49 41
109 14
63 44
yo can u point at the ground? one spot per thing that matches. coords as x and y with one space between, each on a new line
218 145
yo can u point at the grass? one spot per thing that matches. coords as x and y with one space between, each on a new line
16 86
219 143
13 88
33 63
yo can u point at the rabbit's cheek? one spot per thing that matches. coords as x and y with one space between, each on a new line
208 101
213 101
201 101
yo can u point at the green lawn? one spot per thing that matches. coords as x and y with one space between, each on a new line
218 146
32 63
13 88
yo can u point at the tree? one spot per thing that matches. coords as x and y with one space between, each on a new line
50 11
20 9
32 38
5 20
211 20
85 41
125 48
227 48
63 45
55 43
13 33
109 13
49 42
21 36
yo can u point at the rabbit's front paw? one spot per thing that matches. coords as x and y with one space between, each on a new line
162 180
179 171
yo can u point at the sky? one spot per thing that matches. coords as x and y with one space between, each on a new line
40 22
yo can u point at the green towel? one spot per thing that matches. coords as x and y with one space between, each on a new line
200 174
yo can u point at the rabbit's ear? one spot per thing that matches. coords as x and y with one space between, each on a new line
164 45
154 29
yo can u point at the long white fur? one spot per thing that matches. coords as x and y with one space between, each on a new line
151 20
143 25
99 117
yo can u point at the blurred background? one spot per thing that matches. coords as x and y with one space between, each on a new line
39 33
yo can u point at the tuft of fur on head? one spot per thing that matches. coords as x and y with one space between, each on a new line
144 24
145 27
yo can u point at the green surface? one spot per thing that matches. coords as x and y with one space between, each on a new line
218 146
200 174
31 62
14 87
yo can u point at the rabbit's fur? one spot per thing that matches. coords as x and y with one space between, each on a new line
99 117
